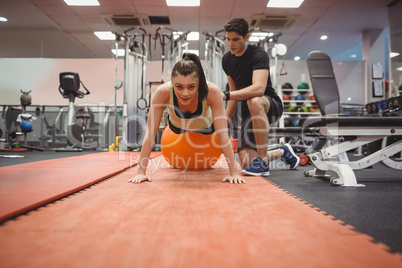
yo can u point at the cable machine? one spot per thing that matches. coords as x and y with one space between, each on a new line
134 103
214 50
276 49
177 48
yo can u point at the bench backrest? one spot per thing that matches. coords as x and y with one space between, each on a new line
323 82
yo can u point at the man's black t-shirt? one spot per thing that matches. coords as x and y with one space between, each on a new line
240 69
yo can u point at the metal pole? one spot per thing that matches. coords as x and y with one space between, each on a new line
123 143
116 122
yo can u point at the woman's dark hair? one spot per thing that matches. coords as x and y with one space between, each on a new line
190 63
238 25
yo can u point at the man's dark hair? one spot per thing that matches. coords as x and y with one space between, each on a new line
238 25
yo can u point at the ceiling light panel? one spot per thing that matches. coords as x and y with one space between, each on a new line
183 3
82 2
284 3
105 35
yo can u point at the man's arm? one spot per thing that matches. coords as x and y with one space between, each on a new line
231 105
257 89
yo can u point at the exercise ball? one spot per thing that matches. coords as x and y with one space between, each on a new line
287 122
292 109
296 122
286 97
287 88
303 109
26 126
300 99
303 85
190 150
312 98
302 88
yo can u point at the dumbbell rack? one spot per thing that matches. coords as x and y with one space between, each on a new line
292 102
290 133
391 106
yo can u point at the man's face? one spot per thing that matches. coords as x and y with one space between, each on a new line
236 43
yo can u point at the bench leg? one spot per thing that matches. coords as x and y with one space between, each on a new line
344 171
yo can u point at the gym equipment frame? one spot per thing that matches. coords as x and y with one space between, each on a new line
215 48
133 87
345 132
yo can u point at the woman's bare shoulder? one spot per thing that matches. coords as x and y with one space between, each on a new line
214 92
162 93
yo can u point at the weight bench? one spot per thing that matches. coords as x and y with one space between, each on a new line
345 132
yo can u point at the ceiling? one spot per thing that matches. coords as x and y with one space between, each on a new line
52 29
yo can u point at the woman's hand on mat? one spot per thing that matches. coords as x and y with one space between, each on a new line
140 178
234 179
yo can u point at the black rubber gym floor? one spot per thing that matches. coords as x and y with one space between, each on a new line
374 209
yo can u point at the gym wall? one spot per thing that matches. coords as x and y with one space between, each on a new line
98 75
42 77
349 76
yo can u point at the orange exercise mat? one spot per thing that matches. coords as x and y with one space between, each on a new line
185 219
27 186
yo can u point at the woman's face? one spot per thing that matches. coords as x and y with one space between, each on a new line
186 89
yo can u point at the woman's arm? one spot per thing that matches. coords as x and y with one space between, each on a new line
220 122
158 104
